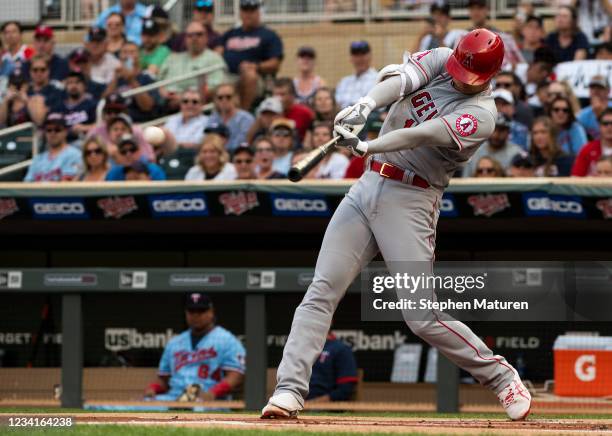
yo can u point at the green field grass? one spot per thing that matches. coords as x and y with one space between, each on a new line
132 430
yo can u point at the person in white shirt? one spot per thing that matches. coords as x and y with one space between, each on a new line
334 165
352 88
212 162
103 64
186 128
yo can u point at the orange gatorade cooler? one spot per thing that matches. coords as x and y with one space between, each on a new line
583 366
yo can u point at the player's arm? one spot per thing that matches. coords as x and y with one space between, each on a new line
159 386
232 381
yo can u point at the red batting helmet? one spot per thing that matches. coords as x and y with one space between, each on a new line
477 58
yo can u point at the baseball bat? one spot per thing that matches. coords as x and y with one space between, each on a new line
308 162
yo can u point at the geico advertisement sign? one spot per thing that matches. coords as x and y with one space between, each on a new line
178 205
553 205
122 339
447 206
299 205
58 208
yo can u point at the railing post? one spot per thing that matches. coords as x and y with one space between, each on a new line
72 351
447 387
257 351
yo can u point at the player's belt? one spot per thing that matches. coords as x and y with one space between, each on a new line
391 171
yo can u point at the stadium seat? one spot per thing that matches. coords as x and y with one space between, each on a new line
178 163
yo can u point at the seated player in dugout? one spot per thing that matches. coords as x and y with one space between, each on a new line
334 374
205 362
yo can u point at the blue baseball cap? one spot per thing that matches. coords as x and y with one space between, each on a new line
360 47
206 5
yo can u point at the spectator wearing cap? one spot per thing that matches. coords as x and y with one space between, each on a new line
152 53
264 159
16 53
133 12
219 130
44 45
78 60
436 32
300 114
102 64
352 88
504 101
205 355
251 51
116 107
60 162
268 110
510 81
283 132
497 146
41 84
571 136
115 33
567 41
141 107
307 81
79 108
17 107
521 166
95 161
478 11
186 128
197 56
226 112
532 33
603 51
592 152
212 162
137 172
599 97
131 157
243 159
548 157
487 166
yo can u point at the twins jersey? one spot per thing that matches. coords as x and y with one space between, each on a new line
217 351
469 119
66 164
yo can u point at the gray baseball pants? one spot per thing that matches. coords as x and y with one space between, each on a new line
399 220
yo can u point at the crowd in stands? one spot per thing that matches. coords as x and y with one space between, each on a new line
261 123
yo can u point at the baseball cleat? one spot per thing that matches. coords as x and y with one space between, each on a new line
281 406
515 399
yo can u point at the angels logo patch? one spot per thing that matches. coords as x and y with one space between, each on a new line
466 125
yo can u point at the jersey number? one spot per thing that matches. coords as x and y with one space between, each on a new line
203 371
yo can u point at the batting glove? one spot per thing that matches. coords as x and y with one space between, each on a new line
353 118
351 141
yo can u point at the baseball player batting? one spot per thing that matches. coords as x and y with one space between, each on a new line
441 111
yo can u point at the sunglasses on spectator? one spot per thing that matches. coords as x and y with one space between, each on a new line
505 85
282 133
54 130
39 70
561 109
128 150
194 34
225 96
93 151
192 101
606 123
264 150
243 161
485 171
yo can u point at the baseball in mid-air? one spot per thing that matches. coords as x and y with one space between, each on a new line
154 135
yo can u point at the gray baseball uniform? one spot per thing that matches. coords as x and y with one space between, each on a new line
431 130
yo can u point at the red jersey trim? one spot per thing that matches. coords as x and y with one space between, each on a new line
342 380
450 129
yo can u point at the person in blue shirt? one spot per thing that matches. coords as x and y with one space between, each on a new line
599 92
251 51
206 355
60 162
571 136
134 14
131 159
334 374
